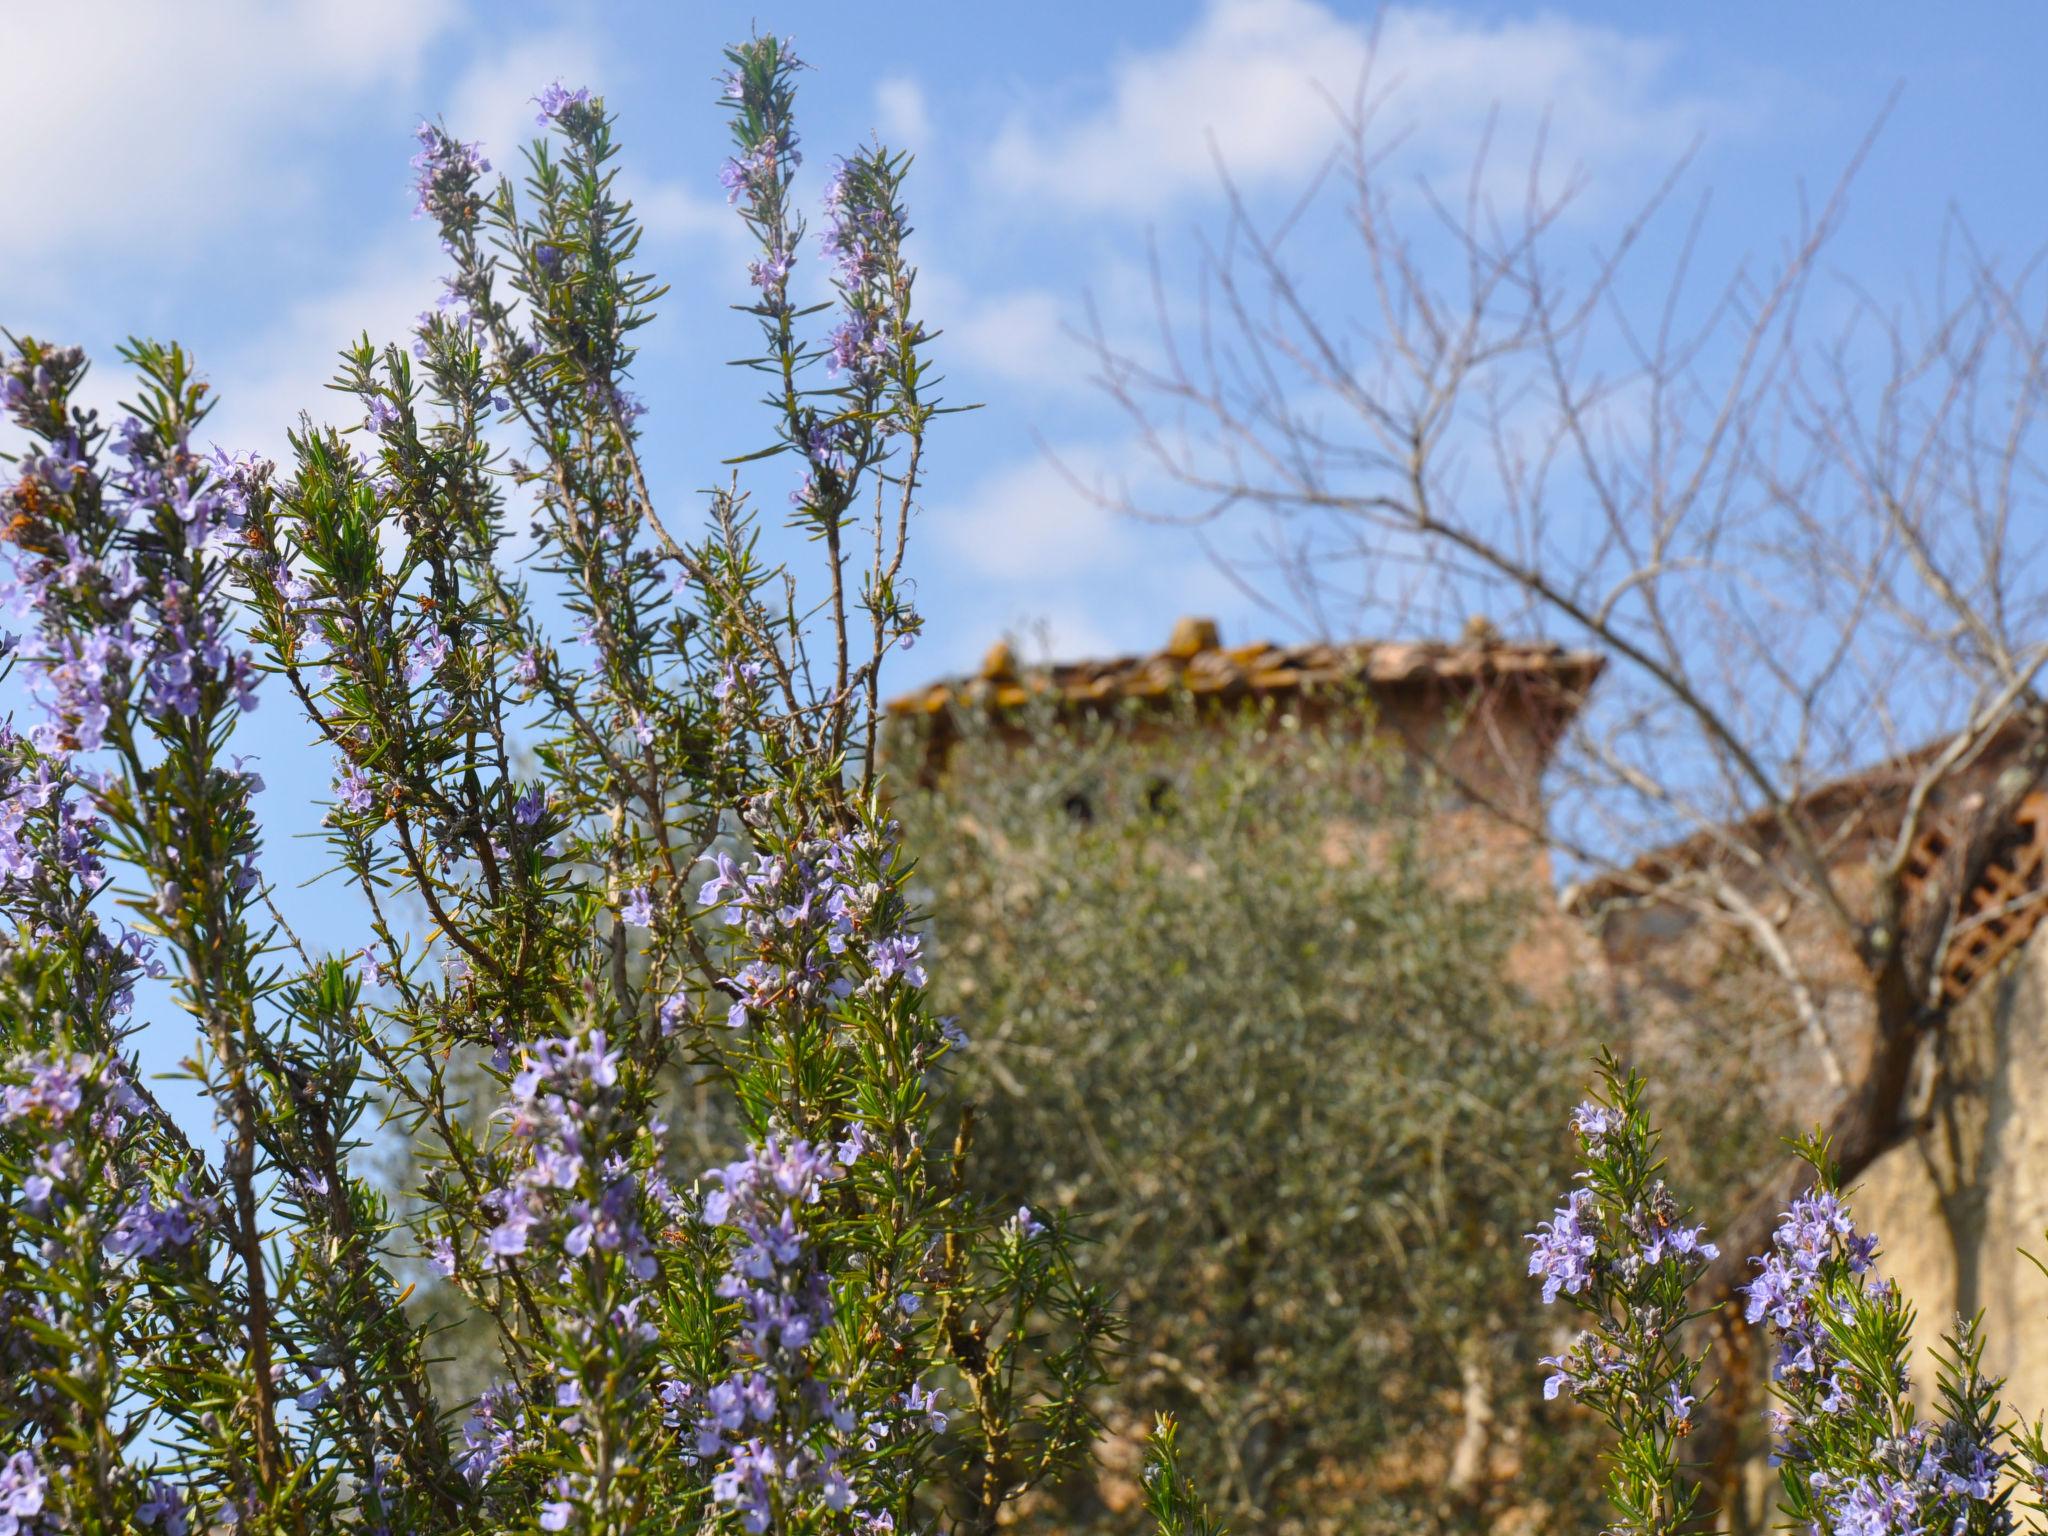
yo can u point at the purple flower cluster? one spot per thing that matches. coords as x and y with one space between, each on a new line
70 847
638 910
742 674
815 923
768 1420
1564 1249
558 1508
1814 1236
33 393
558 103
1675 1242
57 1088
93 647
1590 1360
770 273
54 1091
189 653
564 1086
761 168
1917 1477
24 1490
52 1164
354 792
787 1302
163 1508
447 175
77 683
863 233
1926 1472
205 512
145 1229
491 1433
1594 1124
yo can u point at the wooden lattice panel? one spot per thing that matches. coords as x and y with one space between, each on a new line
1999 913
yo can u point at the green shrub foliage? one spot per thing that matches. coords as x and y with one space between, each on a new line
1230 1005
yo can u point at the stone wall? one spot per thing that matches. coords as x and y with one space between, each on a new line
1956 1205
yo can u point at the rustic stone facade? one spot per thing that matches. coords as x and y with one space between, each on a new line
1955 1203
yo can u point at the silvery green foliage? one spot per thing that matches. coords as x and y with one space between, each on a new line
577 853
1856 1456
1231 1004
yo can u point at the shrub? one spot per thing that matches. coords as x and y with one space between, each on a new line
1244 1019
1855 1454
577 864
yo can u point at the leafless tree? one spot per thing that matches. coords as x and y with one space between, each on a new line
1805 527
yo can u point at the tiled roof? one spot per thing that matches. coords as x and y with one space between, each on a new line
2001 911
1993 918
1196 662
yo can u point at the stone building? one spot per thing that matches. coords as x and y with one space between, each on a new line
1961 1197
1956 1202
1481 716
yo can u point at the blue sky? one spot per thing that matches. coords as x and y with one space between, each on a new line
234 173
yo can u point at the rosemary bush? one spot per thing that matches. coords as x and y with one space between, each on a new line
602 811
1857 1456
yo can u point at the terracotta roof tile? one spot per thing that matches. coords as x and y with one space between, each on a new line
1196 661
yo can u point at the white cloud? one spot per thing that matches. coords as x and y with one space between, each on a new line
1032 519
1019 337
901 116
134 122
286 367
1251 75
672 211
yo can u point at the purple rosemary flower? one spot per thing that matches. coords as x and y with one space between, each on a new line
555 1512
53 1091
560 1098
357 793
897 955
492 1431
428 655
713 892
638 911
1595 1123
24 1488
1678 1242
556 100
448 172
144 1229
735 674
163 1507
1564 1249
1680 1406
770 272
